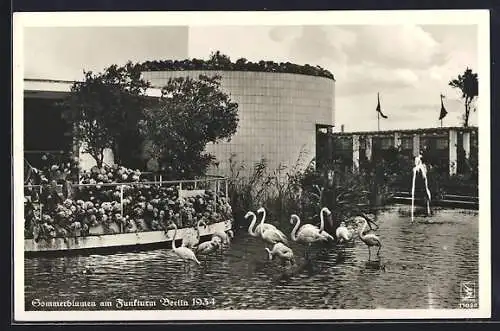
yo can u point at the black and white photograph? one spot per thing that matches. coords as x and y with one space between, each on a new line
183 166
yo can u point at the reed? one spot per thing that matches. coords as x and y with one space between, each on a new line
294 189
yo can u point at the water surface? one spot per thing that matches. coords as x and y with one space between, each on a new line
421 266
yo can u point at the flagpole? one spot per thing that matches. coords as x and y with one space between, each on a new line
442 107
441 120
378 111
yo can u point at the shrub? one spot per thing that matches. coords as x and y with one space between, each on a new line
290 190
220 61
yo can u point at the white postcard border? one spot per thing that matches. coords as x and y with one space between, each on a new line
444 17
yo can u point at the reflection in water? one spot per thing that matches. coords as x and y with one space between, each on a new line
421 265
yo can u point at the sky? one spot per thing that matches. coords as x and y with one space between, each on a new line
409 65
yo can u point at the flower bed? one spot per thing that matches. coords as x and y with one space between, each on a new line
239 65
114 200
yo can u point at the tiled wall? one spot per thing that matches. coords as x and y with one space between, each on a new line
277 112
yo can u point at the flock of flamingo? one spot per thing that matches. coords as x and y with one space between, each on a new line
307 234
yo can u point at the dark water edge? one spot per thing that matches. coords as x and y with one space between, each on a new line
421 266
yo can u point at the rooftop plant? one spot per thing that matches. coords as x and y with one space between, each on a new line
219 61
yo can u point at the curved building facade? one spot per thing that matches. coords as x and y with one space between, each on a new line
278 113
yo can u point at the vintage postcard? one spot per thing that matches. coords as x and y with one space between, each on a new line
211 166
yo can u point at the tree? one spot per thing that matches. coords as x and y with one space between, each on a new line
467 83
190 114
105 108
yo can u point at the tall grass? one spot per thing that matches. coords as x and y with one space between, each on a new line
247 190
298 189
295 189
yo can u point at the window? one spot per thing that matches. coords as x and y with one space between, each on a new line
442 143
424 141
346 143
474 140
362 143
407 143
386 143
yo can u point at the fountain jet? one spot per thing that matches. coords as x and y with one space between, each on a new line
420 168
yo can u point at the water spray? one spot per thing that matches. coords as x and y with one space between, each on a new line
421 168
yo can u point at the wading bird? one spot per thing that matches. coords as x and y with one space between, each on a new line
326 235
273 236
267 232
361 218
192 239
284 252
217 240
270 233
342 233
321 230
307 235
262 225
369 239
208 247
257 231
225 237
184 253
251 231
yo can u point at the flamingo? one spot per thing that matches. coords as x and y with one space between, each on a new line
342 233
256 232
208 247
306 235
284 252
225 237
322 224
269 234
273 236
191 240
369 239
262 225
326 235
361 218
186 254
216 239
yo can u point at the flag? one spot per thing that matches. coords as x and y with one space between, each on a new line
378 106
443 110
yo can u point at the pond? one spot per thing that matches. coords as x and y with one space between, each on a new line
421 265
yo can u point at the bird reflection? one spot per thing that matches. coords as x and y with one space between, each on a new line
375 265
307 267
341 257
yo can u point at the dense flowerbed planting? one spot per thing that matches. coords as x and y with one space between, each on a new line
113 199
239 65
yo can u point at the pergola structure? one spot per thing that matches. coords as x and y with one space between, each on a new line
450 144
